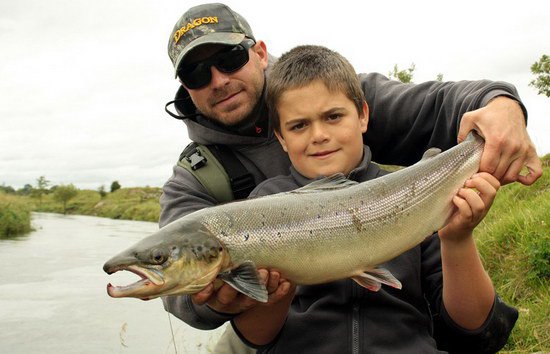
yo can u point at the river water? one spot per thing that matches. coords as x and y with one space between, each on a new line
53 295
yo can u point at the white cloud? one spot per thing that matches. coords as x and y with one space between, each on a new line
84 84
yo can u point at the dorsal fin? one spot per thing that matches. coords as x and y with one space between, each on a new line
474 135
334 182
431 152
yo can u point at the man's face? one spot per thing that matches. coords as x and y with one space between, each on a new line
321 130
230 97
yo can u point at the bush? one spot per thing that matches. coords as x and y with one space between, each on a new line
115 186
63 194
15 217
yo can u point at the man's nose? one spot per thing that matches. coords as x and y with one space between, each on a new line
219 78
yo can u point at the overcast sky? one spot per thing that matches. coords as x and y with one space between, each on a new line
83 83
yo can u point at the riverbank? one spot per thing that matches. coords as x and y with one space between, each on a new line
139 204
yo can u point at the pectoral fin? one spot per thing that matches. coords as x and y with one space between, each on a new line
374 278
245 279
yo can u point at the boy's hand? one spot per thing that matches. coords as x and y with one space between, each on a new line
472 206
228 300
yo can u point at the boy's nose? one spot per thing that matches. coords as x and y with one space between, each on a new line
219 78
319 133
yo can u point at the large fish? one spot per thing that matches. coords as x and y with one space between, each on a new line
328 230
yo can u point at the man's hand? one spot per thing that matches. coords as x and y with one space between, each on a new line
228 300
508 147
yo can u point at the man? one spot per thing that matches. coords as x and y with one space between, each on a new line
223 70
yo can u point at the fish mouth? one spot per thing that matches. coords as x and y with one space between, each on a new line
150 284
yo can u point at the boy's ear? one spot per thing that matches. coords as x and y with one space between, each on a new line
364 118
281 140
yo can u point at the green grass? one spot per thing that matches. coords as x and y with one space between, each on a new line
15 216
514 242
125 203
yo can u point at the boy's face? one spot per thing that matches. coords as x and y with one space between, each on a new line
321 130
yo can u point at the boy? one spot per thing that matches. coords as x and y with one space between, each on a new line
319 114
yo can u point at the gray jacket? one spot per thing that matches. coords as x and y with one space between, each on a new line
405 120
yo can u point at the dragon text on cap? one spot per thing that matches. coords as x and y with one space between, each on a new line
192 24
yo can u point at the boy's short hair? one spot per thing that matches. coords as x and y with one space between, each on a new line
304 64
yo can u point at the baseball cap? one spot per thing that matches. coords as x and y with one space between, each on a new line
206 24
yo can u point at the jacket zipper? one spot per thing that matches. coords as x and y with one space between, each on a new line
355 328
355 320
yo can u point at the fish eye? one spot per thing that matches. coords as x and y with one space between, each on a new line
158 256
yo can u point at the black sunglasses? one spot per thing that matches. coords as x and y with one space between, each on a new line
197 75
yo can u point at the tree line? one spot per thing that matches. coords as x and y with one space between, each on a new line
541 70
43 186
61 193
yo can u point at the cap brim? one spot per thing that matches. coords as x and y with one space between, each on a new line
226 38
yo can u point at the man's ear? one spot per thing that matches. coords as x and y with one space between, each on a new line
261 50
364 118
281 140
